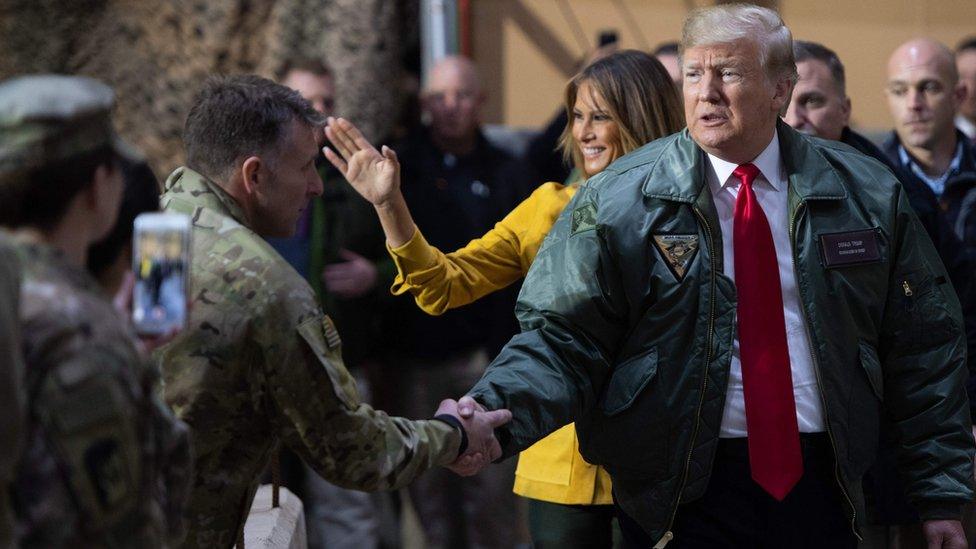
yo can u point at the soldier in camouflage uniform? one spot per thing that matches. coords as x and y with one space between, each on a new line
12 394
105 463
259 363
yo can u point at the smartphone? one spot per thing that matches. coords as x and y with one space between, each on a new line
606 37
161 263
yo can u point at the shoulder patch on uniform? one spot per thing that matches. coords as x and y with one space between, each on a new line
584 218
331 334
677 250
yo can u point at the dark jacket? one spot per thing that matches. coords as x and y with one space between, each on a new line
639 357
958 263
957 203
543 153
454 199
882 487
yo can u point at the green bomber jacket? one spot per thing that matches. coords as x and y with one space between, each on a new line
631 336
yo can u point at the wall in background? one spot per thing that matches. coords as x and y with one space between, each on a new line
527 49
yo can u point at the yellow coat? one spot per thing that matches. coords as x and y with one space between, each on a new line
553 469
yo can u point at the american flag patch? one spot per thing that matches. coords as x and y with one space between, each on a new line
331 334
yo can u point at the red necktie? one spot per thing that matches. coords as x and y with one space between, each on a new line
767 382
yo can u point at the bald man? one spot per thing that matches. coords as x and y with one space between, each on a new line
457 186
923 94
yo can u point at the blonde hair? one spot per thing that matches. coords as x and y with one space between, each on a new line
640 97
726 23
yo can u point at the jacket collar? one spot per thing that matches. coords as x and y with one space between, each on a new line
769 162
678 173
967 163
187 190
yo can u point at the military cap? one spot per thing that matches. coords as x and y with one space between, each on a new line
47 118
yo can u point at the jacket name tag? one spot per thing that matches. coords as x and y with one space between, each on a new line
850 248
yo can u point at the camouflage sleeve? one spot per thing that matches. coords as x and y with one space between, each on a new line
12 394
321 417
172 445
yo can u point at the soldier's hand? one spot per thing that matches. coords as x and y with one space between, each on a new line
374 175
483 448
467 406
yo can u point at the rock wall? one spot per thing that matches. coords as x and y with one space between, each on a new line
157 53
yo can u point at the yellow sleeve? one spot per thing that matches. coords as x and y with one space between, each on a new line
440 281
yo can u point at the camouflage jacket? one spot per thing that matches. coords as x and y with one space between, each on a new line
105 463
12 395
260 364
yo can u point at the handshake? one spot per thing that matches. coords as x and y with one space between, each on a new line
479 426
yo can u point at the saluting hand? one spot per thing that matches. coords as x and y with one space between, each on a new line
374 175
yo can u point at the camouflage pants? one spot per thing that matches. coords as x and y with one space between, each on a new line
339 518
455 512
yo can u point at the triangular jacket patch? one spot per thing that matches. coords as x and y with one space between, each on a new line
678 250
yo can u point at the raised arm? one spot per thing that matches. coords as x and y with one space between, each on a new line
440 281
374 175
319 414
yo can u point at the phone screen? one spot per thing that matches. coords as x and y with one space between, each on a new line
160 261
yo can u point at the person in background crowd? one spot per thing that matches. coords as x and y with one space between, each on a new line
727 313
667 54
461 185
966 65
105 463
616 104
924 94
110 259
338 247
259 364
314 80
820 106
13 396
542 154
304 251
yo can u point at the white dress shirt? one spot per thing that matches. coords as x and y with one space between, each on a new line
770 187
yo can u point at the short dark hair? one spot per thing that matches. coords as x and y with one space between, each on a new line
966 44
40 197
304 64
141 195
666 48
237 116
804 51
